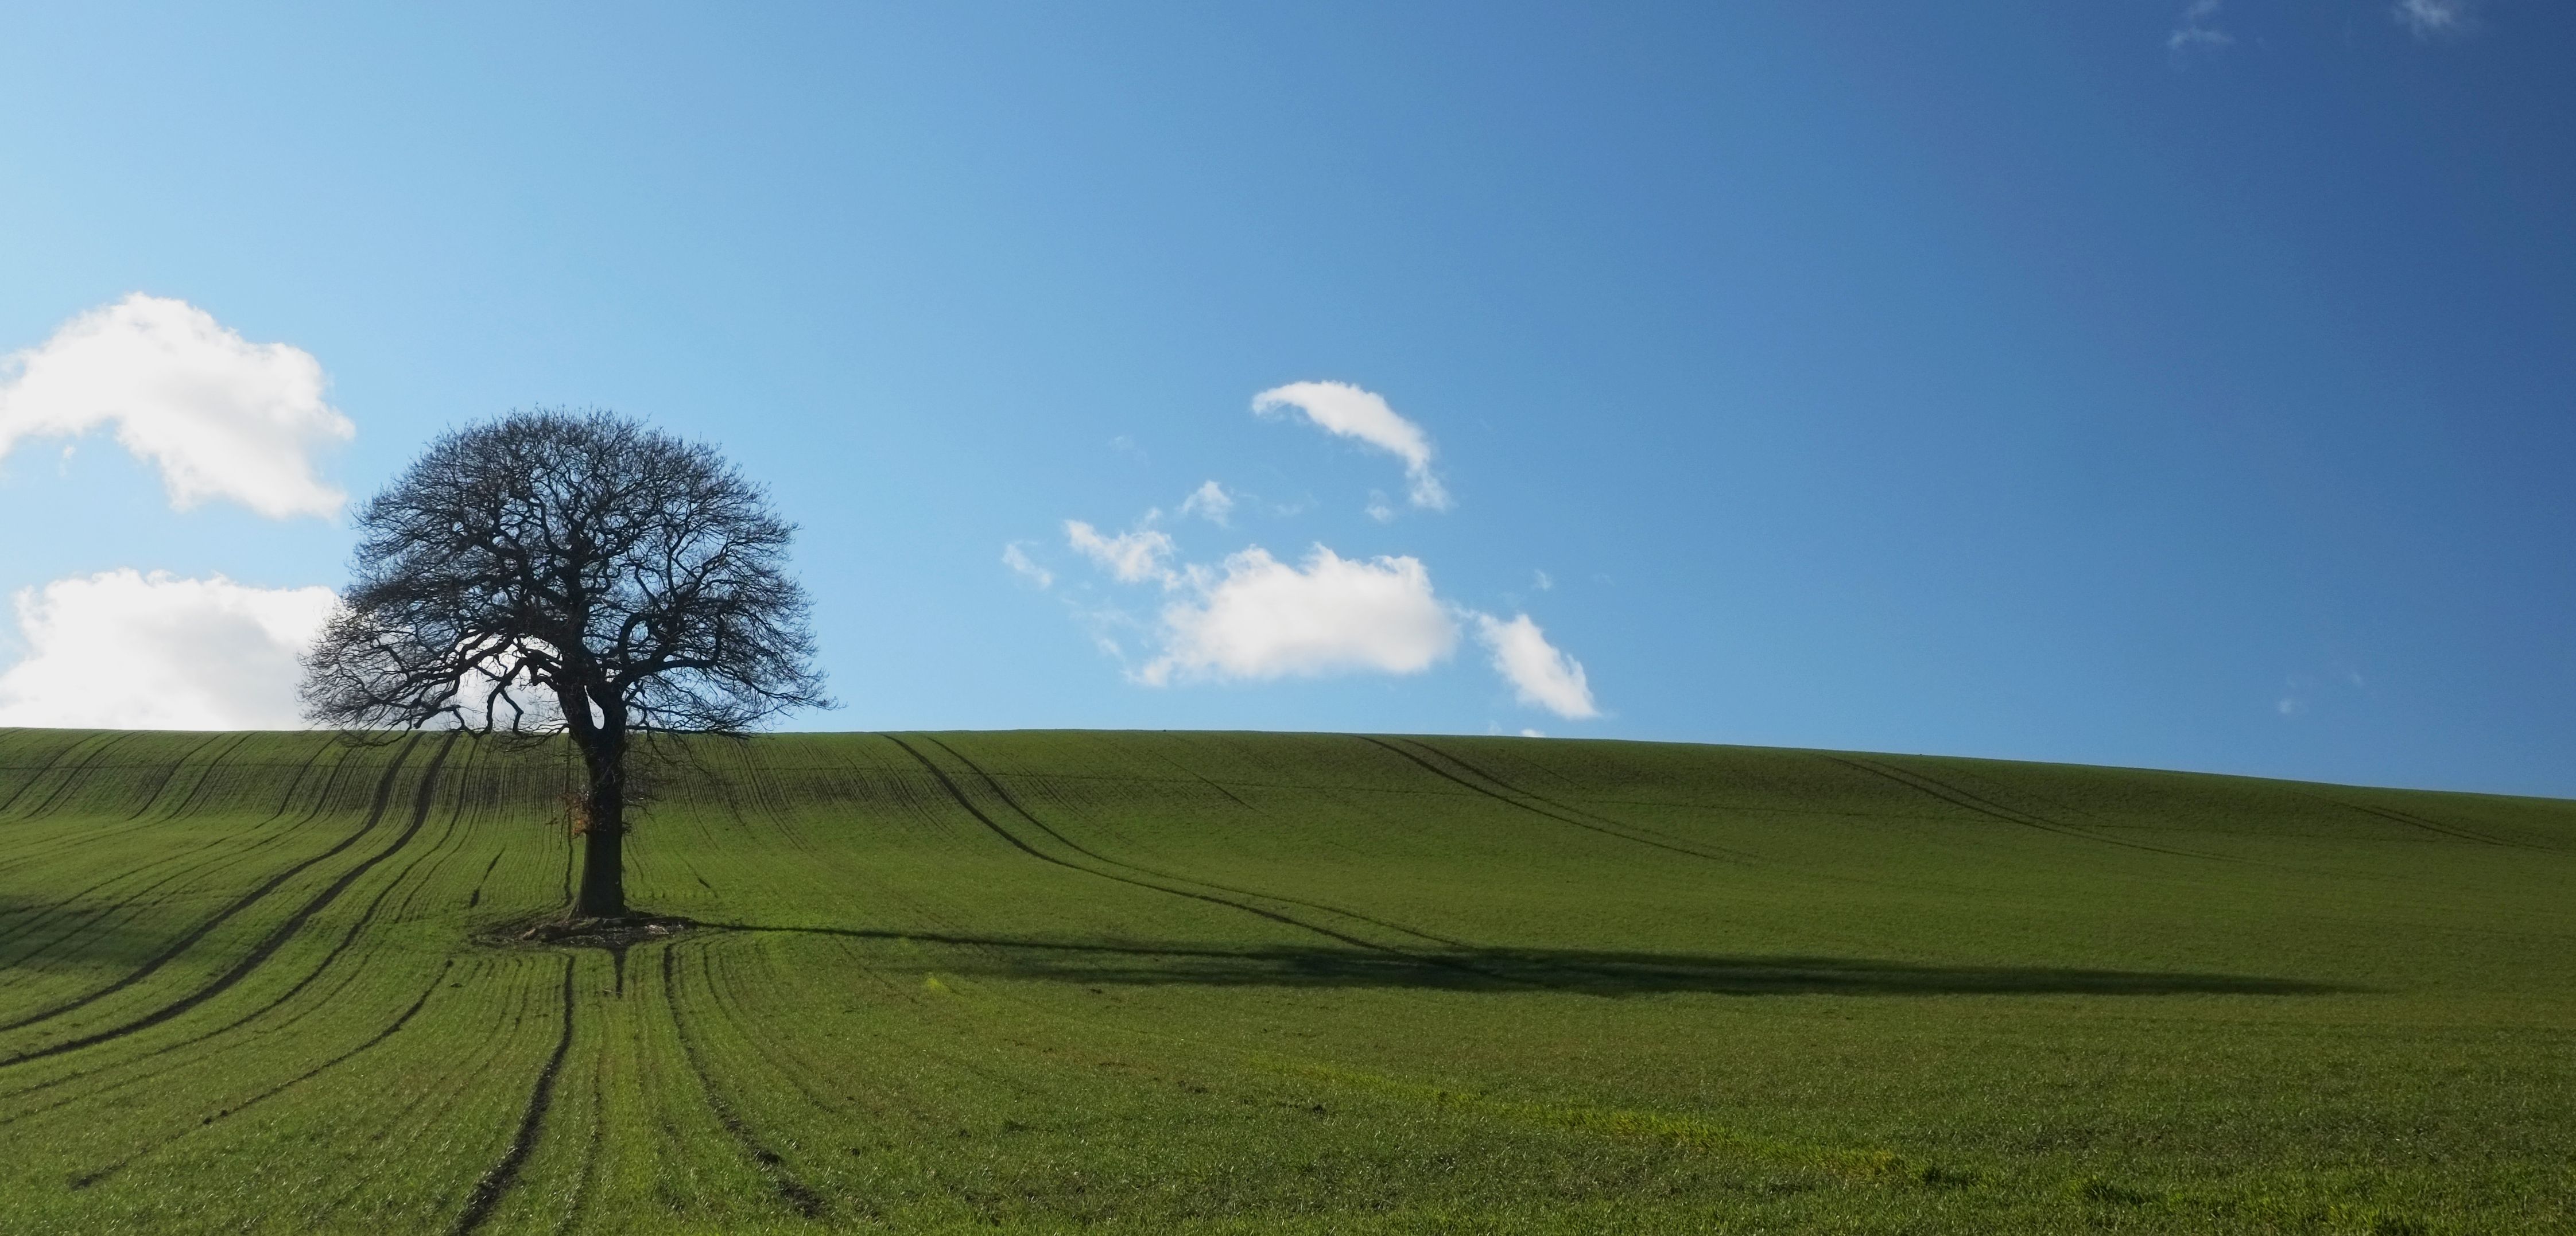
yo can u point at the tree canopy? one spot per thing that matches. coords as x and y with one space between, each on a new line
574 572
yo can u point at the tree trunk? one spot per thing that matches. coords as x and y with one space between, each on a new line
603 861
603 874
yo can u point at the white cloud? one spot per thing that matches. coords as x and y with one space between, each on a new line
1540 675
1343 409
221 417
1529 733
1130 556
1018 560
1542 581
2431 17
1209 502
1263 618
125 650
2197 28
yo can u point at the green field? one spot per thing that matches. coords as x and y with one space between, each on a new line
1252 983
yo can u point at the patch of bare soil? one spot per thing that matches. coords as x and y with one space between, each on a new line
618 934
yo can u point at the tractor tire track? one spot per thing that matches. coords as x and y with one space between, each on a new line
1725 857
59 755
214 764
204 866
276 938
496 1181
73 777
1024 847
1996 811
347 939
384 794
1015 805
376 1040
794 1192
172 772
1623 826
2412 820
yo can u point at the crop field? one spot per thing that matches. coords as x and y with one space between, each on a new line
1253 983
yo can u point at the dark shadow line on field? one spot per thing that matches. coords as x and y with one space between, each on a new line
1015 805
1593 971
1032 851
384 795
485 878
1933 788
497 1181
1506 800
87 1179
790 1190
276 938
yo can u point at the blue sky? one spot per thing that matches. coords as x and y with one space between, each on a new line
2143 383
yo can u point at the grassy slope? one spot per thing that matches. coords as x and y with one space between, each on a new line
1239 982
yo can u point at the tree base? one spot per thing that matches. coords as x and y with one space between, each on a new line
624 931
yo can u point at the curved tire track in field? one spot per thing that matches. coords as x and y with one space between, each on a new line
790 1190
348 938
1608 821
1957 797
204 864
384 794
197 792
1042 856
87 1179
60 754
171 773
1720 856
276 938
1015 805
104 742
497 1180
73 776
2412 820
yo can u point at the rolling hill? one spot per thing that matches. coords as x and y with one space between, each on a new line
1221 982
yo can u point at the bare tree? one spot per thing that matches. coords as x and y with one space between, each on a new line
569 572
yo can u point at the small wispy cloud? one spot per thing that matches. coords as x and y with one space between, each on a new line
2427 18
1209 502
1344 410
1541 674
1025 567
2198 29
1129 557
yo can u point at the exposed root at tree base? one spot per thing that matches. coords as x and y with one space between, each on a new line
618 934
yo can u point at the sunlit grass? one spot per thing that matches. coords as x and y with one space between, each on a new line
1220 982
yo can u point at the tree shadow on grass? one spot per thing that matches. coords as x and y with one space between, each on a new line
1591 971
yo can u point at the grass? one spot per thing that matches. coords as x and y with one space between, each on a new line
1260 983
